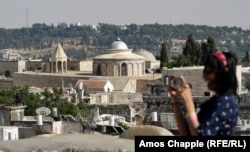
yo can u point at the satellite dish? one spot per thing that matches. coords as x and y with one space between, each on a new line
43 111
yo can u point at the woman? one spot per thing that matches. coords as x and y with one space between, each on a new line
218 115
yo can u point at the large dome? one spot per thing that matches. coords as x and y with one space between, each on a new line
119 61
147 55
118 45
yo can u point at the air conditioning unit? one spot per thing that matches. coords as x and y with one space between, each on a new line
208 93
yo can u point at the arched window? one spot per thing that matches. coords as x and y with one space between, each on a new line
59 66
99 70
124 70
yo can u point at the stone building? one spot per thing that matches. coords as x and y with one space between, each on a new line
58 63
9 133
150 61
119 61
7 68
59 60
94 86
194 76
10 54
246 77
11 113
45 66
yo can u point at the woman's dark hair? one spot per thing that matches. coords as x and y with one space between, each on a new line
226 78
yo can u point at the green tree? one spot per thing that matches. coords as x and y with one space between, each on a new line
164 55
208 48
83 109
245 62
181 61
235 56
192 50
33 101
246 58
7 95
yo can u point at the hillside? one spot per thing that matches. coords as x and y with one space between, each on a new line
81 42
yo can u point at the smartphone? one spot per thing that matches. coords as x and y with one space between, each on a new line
175 83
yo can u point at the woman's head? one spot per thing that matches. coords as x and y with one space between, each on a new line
220 72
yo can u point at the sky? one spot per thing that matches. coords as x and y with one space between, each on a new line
24 13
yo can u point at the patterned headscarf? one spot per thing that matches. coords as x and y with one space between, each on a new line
222 58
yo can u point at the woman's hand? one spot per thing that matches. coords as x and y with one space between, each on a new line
173 92
185 92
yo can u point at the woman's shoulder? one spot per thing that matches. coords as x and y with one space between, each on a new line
228 99
221 100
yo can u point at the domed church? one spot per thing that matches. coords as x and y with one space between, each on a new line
119 61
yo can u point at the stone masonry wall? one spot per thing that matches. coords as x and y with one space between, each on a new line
6 83
44 80
193 75
11 66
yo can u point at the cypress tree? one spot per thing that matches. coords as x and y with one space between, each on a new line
246 60
164 55
192 50
208 48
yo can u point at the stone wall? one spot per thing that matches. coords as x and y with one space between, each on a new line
44 80
73 66
128 111
118 97
193 75
8 83
10 113
62 127
141 85
155 103
80 65
86 66
117 109
8 67
118 67
71 127
5 117
25 132
37 65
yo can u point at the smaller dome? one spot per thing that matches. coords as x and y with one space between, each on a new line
78 24
119 45
148 55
